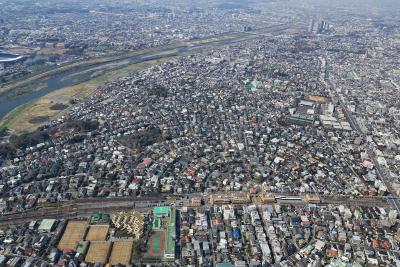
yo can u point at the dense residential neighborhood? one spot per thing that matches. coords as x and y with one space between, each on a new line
277 150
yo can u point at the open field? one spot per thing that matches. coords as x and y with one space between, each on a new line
20 119
97 233
72 235
319 99
98 252
121 253
241 36
28 80
18 49
102 59
31 115
53 49
109 58
106 67
157 244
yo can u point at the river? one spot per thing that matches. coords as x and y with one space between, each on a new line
11 100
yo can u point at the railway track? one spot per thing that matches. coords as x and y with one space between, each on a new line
83 208
77 208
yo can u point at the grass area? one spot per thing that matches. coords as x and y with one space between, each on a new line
68 66
106 67
25 118
212 38
25 90
154 51
27 80
31 115
156 245
109 58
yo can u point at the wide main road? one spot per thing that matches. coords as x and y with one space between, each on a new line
381 172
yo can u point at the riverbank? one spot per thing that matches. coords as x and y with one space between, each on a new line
78 80
23 82
30 116
239 36
7 57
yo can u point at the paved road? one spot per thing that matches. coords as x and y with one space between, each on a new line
394 203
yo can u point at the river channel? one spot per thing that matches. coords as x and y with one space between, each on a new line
10 100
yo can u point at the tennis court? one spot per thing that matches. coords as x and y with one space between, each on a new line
98 252
72 235
121 253
97 232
